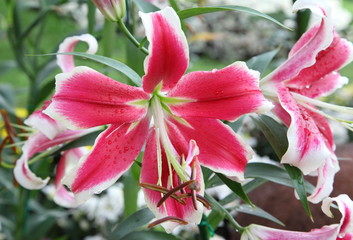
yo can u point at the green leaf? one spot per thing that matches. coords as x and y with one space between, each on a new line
150 235
298 182
262 61
42 222
117 65
86 140
45 91
248 187
130 224
145 6
236 188
269 172
275 133
202 10
237 124
131 189
272 173
258 212
213 181
216 206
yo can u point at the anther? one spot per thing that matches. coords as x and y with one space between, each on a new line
199 198
169 218
161 190
173 191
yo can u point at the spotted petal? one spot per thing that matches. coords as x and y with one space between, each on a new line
222 94
85 98
307 48
307 147
113 153
171 207
169 52
328 61
66 62
221 149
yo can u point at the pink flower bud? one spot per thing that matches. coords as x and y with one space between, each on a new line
111 9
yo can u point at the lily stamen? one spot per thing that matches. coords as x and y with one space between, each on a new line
199 198
173 191
161 190
165 219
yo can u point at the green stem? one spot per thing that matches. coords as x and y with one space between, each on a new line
131 37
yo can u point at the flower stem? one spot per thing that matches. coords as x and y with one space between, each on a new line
131 37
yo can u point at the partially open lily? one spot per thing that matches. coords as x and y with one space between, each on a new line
311 71
174 114
342 230
49 133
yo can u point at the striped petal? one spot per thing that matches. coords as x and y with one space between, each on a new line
345 206
325 178
36 143
68 160
323 86
113 153
307 148
171 207
328 61
169 51
85 98
206 93
307 48
66 62
257 232
221 149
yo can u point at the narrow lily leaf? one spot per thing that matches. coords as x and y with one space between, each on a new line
130 194
150 235
202 10
258 212
45 91
87 140
275 133
131 223
121 67
237 124
219 208
145 6
213 181
248 187
269 172
262 61
298 182
236 188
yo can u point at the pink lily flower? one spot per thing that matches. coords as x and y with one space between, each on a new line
342 230
51 133
174 114
311 71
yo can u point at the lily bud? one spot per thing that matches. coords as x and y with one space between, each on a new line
111 9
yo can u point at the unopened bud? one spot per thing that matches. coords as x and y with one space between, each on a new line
111 9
